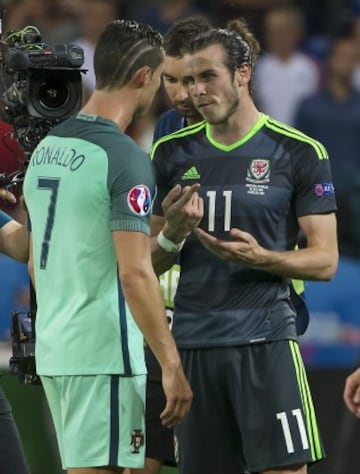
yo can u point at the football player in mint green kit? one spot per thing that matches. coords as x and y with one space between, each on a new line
89 190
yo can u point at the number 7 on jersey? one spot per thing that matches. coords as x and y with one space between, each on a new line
51 184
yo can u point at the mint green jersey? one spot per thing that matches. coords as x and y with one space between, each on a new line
85 180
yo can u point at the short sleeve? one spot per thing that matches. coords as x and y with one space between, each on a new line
131 186
314 189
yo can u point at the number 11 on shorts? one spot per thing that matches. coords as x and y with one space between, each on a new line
283 418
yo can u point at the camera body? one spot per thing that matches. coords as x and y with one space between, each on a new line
41 84
22 362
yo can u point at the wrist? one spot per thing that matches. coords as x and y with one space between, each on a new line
169 245
172 234
171 365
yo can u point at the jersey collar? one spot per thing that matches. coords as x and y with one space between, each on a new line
259 124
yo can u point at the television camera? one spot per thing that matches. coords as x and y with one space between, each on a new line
40 86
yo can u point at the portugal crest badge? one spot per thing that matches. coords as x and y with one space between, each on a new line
137 440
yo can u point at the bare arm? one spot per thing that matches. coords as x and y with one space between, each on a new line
14 240
142 293
14 236
318 261
352 392
161 259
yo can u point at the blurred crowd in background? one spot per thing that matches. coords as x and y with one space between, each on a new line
308 76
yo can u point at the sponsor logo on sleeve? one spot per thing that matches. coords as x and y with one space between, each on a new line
324 189
139 200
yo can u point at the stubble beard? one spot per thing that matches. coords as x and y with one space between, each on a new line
223 118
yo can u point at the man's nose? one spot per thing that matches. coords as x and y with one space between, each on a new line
199 88
182 94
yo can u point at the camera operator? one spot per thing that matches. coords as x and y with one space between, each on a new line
14 243
13 235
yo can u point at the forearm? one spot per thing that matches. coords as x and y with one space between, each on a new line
304 264
142 293
161 260
14 241
183 215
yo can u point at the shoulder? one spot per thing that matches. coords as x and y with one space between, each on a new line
295 140
102 133
170 119
125 154
178 138
169 122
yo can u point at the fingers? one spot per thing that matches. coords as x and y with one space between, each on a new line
237 234
205 237
240 235
214 245
356 397
352 406
178 397
171 415
200 208
187 196
171 197
174 412
7 195
352 393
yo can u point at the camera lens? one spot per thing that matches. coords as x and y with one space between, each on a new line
52 94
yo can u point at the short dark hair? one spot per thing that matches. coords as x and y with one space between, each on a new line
182 32
123 48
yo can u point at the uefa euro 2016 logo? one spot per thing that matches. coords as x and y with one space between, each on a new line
139 200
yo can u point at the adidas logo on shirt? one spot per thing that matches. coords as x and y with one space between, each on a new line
191 173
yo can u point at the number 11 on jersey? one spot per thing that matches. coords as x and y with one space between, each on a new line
227 195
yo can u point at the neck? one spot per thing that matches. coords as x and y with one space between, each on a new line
340 89
284 56
118 106
237 125
193 120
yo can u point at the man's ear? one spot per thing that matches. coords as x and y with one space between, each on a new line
243 74
141 77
